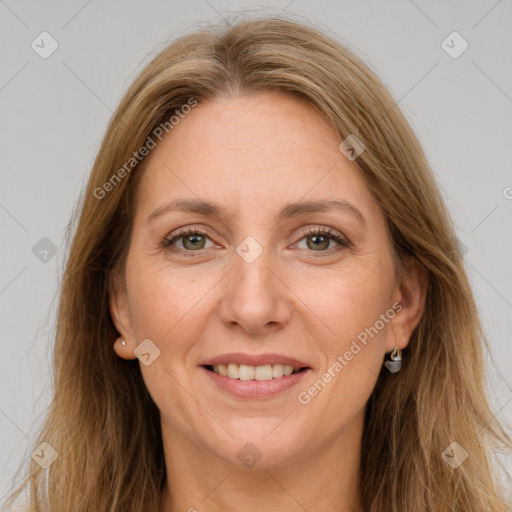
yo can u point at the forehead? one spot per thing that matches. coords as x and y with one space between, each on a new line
254 151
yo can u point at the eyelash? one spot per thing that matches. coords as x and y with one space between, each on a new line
327 232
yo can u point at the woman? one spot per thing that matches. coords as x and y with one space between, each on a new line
264 306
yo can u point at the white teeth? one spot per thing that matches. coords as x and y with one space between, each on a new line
233 370
247 372
263 372
277 371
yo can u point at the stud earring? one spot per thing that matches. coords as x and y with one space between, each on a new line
123 343
395 362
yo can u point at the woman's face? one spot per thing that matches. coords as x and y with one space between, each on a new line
252 283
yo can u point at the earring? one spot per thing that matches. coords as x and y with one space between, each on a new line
123 343
395 362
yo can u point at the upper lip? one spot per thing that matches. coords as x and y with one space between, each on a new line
254 360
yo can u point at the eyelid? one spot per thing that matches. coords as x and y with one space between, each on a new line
323 229
310 230
187 230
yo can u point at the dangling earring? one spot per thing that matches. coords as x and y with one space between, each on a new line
395 362
123 343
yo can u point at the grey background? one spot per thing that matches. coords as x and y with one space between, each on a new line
54 113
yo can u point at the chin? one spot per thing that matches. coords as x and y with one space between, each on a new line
259 442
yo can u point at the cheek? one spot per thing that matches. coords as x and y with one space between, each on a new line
161 302
352 349
355 312
172 305
170 309
347 302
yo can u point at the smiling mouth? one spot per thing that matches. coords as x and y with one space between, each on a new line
247 372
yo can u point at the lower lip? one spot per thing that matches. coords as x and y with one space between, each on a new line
255 388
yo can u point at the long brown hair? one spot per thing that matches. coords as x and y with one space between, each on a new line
102 421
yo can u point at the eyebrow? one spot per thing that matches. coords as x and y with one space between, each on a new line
290 210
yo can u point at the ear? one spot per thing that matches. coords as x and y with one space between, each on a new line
410 292
120 313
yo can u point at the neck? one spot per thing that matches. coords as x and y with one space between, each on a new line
319 478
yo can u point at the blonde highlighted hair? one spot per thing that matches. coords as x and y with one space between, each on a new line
102 421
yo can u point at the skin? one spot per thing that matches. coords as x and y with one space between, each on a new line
253 154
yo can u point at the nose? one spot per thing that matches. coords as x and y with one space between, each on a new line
255 297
